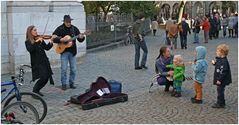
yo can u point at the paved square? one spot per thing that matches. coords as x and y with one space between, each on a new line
143 107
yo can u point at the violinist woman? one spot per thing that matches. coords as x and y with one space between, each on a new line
41 68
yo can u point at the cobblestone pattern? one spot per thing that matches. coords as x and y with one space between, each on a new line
143 107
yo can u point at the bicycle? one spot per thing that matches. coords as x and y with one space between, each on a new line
30 97
129 36
19 113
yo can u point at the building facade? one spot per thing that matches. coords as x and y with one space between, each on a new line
16 16
170 9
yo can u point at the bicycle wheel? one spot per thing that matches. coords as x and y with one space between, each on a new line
22 112
34 100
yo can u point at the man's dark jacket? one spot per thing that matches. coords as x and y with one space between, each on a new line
72 31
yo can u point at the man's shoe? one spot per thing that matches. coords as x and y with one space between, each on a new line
138 68
145 67
63 87
72 86
218 106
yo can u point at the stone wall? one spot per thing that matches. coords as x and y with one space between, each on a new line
18 15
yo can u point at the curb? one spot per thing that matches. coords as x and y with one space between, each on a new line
106 47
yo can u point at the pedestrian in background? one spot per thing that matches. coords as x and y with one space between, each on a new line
224 25
236 25
213 26
154 26
196 29
205 26
222 74
138 33
184 33
168 23
173 35
218 25
231 24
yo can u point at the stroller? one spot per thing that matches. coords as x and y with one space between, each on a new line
156 80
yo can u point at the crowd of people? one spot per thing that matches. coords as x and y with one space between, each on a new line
211 25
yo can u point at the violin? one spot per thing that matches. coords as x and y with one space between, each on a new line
40 38
44 37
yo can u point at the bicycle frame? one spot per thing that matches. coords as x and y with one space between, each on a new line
20 78
8 83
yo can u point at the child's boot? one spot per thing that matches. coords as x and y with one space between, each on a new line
193 98
178 94
173 92
196 101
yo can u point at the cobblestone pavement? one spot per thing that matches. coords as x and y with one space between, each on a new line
143 107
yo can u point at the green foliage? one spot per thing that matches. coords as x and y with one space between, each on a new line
90 7
94 7
127 7
226 5
135 7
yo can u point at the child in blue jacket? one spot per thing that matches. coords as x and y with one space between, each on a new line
199 67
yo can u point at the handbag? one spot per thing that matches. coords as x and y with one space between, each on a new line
162 80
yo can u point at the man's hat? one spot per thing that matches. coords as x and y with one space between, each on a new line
67 18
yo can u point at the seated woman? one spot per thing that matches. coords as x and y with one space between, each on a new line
165 58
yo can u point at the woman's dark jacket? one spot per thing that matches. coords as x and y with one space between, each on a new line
40 64
72 31
160 65
222 71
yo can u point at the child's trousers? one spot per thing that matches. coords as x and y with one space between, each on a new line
198 90
220 95
177 85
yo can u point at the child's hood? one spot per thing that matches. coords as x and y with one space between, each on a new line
201 52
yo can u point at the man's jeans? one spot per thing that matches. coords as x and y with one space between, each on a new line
196 37
183 39
224 31
65 58
138 45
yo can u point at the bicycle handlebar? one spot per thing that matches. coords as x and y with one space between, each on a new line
24 65
20 76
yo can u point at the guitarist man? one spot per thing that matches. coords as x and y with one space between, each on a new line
68 55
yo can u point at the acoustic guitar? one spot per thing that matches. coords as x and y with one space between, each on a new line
60 47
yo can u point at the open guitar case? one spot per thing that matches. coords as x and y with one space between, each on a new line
98 95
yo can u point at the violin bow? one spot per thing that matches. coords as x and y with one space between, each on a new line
45 26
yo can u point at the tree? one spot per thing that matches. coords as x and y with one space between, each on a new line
226 5
134 7
95 7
